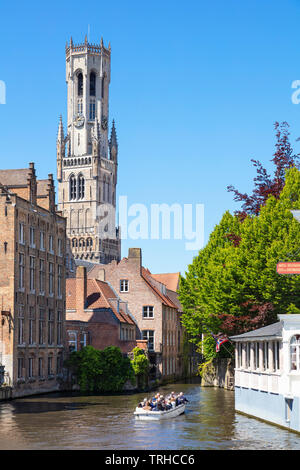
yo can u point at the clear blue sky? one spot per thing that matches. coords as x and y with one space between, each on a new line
196 87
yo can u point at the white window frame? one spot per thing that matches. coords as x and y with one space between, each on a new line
22 233
147 309
295 346
124 285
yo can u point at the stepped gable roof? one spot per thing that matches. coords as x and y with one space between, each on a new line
99 295
42 187
147 276
270 331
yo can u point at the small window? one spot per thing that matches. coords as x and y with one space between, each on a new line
21 233
51 243
148 311
124 285
295 352
32 237
149 336
42 241
72 341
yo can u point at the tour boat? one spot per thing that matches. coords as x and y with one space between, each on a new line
140 413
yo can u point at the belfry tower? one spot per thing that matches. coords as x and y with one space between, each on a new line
87 158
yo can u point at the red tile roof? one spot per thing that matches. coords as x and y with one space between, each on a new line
99 295
171 280
146 275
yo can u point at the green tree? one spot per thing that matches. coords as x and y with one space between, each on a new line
104 370
140 365
234 277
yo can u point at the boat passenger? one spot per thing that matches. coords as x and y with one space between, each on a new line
147 406
142 403
181 399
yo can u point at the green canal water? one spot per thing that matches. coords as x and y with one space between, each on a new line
59 421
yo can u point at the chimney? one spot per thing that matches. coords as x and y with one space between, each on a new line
135 256
101 274
81 288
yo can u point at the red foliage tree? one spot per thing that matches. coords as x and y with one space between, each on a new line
258 316
264 184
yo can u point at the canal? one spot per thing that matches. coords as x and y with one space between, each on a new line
59 421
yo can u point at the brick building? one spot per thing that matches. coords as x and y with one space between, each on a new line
96 316
154 307
32 282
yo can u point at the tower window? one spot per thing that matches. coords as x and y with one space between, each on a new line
102 88
92 109
92 84
80 84
79 106
80 187
72 187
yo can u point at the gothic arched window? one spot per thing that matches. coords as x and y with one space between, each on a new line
72 187
74 242
92 84
80 84
80 187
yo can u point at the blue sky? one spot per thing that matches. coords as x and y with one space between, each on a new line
195 90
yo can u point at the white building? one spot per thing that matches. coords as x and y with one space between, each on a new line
87 159
267 372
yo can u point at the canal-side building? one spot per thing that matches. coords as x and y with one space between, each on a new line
154 307
32 283
267 372
96 316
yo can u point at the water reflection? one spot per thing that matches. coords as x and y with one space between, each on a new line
106 422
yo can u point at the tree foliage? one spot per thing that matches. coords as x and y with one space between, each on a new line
232 285
140 362
264 184
104 370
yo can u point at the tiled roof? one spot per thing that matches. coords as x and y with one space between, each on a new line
15 177
274 330
99 296
174 297
146 275
171 280
88 264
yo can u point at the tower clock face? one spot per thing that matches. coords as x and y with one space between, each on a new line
78 120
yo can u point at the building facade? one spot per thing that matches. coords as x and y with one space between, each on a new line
267 372
96 316
32 283
154 308
87 158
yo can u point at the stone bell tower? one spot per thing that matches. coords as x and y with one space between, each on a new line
87 158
